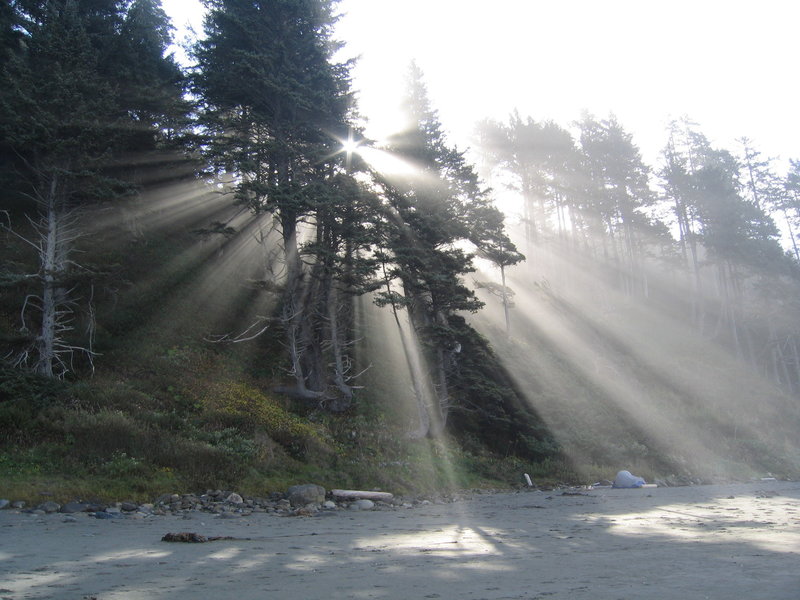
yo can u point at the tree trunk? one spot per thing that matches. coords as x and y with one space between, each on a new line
53 263
796 359
293 306
337 347
505 300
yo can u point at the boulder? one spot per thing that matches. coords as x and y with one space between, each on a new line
309 493
362 504
234 498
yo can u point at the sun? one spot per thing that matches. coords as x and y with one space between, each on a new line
380 160
350 145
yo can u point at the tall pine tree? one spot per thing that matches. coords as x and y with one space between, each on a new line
274 107
66 125
434 216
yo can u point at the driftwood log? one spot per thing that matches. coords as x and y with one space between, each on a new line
361 494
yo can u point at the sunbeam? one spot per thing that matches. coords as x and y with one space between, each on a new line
387 163
620 380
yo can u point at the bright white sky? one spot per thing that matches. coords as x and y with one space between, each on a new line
730 65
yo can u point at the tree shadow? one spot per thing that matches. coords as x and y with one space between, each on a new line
699 542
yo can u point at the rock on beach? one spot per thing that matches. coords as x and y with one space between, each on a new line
309 493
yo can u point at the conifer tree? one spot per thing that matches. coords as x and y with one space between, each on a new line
430 214
790 204
619 181
274 108
541 158
65 122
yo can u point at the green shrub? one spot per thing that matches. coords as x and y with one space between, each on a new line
17 421
37 390
120 465
100 434
199 465
239 405
101 395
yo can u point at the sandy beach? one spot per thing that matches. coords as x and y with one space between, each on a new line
731 541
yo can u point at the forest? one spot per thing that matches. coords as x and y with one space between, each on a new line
211 277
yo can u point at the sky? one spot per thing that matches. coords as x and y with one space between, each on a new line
731 66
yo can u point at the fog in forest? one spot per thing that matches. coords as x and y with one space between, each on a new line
547 294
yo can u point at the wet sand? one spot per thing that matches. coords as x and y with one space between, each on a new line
732 541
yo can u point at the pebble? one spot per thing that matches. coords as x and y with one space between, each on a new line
223 504
74 507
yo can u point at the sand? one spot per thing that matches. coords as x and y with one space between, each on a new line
732 541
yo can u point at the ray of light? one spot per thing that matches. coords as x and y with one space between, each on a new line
396 357
731 518
388 163
603 357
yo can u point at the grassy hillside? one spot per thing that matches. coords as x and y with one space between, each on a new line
166 409
573 396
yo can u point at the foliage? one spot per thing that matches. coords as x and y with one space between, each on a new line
251 409
81 88
437 219
274 109
489 412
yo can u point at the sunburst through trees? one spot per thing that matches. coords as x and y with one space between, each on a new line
298 230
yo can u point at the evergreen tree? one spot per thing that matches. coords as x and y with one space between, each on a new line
684 155
430 214
150 81
764 188
732 228
274 108
790 203
65 123
618 182
541 158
